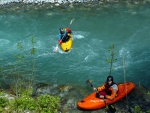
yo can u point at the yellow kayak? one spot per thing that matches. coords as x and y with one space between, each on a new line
67 44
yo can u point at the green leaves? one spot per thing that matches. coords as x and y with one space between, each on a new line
19 45
24 103
48 103
148 111
137 109
148 93
3 102
33 40
24 58
42 104
108 60
1 69
33 51
112 59
19 57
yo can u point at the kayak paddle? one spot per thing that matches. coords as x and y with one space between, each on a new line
90 83
71 22
69 26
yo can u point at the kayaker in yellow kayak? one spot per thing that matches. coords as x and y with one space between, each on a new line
108 90
64 35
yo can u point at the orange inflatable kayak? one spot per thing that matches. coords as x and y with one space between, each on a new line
91 102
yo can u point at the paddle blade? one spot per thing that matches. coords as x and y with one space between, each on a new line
71 21
89 82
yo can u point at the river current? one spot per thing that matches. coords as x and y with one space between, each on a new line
94 31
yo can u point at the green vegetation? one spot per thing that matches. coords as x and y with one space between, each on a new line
111 60
41 104
32 53
148 111
22 72
22 86
148 93
137 109
48 104
3 103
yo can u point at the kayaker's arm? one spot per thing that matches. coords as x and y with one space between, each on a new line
101 88
59 37
112 96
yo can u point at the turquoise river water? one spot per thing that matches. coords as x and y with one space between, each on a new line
94 31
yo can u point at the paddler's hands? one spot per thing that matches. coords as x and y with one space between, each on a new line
95 89
60 41
102 96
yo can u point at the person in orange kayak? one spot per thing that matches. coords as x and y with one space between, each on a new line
108 90
64 35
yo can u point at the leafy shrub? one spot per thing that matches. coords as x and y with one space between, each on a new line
42 104
3 102
137 109
24 101
148 111
148 93
48 103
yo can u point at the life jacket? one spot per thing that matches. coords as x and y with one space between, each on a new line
107 88
68 30
66 36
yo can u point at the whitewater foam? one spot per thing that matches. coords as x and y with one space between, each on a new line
4 42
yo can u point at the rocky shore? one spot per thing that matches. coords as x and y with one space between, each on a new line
73 1
70 95
138 99
15 5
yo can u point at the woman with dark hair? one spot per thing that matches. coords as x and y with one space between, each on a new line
108 90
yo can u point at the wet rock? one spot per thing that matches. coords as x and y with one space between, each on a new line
57 4
101 2
72 103
63 94
138 97
37 89
65 108
69 105
128 4
136 2
64 88
71 6
9 97
46 89
38 85
147 100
